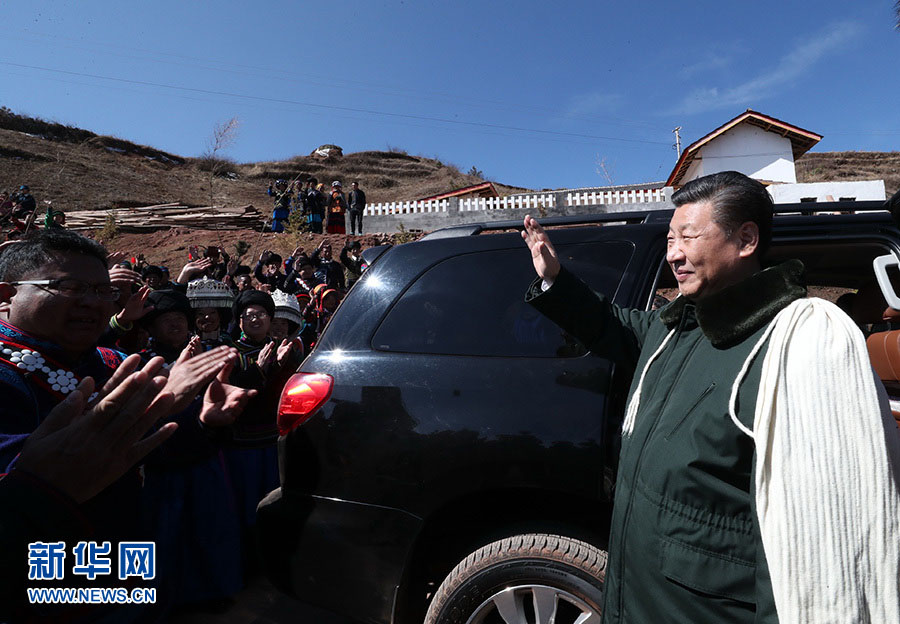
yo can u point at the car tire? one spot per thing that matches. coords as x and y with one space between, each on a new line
526 578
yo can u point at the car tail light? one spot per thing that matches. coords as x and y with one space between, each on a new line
301 397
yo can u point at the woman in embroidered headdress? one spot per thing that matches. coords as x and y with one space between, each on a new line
211 302
287 323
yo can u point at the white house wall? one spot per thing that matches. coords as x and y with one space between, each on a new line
695 170
758 153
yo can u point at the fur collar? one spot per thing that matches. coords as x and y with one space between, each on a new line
734 313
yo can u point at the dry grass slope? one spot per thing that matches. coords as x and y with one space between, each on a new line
824 166
78 169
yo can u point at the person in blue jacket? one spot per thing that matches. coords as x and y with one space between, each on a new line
283 193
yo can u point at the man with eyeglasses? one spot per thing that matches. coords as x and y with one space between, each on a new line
56 299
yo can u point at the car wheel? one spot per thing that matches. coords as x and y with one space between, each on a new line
526 579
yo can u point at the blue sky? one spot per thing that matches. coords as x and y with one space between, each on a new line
531 93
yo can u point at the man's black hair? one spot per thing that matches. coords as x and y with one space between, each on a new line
736 199
273 258
314 181
41 248
152 269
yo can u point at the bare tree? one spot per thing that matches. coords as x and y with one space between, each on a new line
605 169
224 135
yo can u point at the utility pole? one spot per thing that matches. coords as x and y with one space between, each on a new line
677 141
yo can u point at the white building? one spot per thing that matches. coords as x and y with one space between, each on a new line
765 149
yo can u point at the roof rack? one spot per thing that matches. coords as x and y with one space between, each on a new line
472 229
650 216
810 208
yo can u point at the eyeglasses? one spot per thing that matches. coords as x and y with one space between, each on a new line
74 288
255 316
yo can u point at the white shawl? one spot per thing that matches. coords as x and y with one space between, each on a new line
827 471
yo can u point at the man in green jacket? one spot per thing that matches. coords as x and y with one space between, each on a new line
685 542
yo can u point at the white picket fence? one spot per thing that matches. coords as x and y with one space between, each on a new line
409 207
518 202
531 201
592 198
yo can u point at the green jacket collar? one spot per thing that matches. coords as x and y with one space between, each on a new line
734 313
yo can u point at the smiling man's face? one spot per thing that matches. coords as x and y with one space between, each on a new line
703 257
73 323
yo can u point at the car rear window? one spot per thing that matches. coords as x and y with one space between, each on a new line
473 304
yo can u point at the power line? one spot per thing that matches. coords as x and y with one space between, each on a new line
870 132
334 107
331 82
329 114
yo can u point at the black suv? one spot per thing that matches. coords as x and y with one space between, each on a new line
448 454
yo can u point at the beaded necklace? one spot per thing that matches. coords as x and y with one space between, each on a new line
43 370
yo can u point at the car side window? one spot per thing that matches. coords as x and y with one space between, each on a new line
474 304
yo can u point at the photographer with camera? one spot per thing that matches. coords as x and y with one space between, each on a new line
330 271
351 258
212 262
268 271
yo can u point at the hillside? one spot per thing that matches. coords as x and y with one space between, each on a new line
825 166
78 169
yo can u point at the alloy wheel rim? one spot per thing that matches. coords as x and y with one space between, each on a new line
534 604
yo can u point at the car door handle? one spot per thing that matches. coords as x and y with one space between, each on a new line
881 264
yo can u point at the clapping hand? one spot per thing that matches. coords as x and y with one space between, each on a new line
192 371
265 357
284 350
135 307
192 269
115 258
191 349
82 452
123 278
153 368
222 402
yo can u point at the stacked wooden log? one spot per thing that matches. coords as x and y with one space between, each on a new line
165 216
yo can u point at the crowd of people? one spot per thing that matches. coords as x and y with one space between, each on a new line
206 354
18 212
138 407
319 211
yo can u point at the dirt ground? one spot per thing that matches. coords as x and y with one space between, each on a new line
260 603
